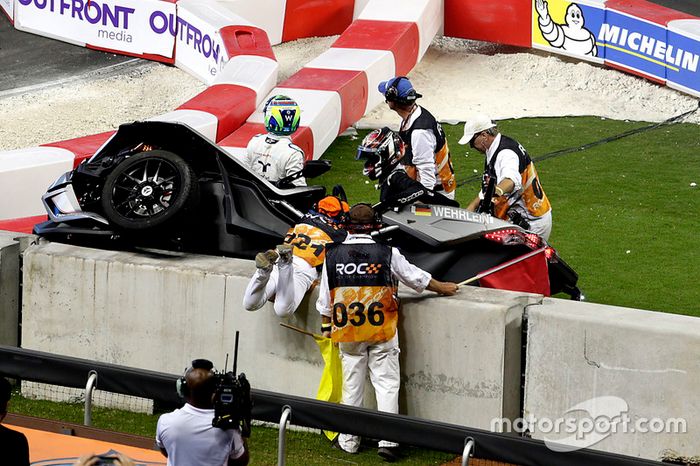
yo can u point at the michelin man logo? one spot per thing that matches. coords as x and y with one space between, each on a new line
571 37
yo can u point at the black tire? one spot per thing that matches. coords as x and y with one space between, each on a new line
149 190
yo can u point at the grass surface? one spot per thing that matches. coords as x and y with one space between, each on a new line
624 212
303 448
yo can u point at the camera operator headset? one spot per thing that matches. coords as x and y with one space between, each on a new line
192 435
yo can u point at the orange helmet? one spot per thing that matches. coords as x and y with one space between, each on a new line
332 206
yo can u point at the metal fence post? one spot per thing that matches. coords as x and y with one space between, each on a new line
282 441
467 452
89 387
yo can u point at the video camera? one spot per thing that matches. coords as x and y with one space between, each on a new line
232 401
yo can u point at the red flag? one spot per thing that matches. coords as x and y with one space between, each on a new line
528 273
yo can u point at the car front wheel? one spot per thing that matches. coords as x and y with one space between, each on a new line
148 190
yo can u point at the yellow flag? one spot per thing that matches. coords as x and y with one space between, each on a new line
330 387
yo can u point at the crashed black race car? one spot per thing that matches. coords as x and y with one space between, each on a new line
162 185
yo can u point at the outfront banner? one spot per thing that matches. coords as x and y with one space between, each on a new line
200 47
131 26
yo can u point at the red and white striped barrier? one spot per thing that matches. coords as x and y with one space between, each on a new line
247 73
335 89
226 45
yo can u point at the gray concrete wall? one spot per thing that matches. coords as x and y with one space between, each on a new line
9 288
592 361
460 355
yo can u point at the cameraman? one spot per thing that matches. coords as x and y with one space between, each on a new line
186 436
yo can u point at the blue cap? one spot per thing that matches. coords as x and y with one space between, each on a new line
399 89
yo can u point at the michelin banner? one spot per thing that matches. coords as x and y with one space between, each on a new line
131 26
568 28
636 44
589 31
685 74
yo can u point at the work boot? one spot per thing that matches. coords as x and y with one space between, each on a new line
389 454
265 260
285 253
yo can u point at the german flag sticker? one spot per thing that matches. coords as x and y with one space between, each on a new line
422 211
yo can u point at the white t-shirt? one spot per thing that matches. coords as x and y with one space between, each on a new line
190 439
275 157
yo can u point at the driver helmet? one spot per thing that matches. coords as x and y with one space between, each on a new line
332 207
282 115
383 149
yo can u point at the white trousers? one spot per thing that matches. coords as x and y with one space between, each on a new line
382 359
542 225
286 284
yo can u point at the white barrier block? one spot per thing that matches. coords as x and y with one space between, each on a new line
214 13
8 6
687 27
267 15
605 363
255 72
203 122
25 174
427 14
377 65
358 7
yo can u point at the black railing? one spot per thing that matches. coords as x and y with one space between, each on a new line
66 371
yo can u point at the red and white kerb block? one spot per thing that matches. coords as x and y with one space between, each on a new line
338 87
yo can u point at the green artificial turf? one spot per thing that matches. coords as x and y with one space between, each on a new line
624 211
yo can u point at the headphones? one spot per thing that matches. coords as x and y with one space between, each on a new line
181 383
392 92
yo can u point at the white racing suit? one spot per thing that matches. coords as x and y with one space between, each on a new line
275 157
287 283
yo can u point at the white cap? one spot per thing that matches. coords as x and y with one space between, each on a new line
475 124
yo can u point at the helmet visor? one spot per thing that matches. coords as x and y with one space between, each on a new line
364 152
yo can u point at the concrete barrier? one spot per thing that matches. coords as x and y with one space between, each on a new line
9 288
610 364
460 356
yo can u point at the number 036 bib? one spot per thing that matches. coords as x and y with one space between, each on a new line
367 313
363 292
